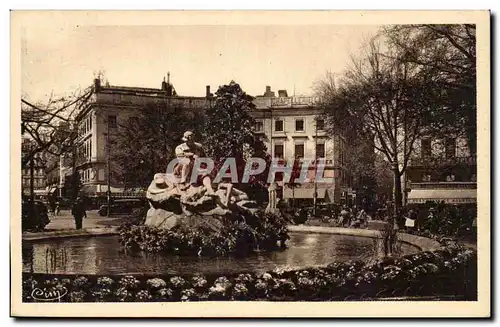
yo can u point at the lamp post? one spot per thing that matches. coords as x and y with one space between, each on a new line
108 164
315 195
395 170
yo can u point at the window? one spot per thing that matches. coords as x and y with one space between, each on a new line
299 125
134 121
90 148
320 150
299 150
320 124
112 121
90 119
278 126
259 126
426 148
450 147
279 150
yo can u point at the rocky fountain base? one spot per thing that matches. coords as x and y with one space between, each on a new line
195 220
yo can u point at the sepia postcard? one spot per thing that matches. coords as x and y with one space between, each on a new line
250 164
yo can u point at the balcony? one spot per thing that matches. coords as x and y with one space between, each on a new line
443 185
441 161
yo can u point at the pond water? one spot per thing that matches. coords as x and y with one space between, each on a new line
105 255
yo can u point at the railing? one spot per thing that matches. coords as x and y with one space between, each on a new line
144 99
440 161
444 185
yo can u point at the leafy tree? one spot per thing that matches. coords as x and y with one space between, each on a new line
145 144
72 186
229 128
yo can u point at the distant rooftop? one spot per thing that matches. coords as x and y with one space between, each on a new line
266 101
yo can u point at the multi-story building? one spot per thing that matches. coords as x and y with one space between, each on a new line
39 163
294 130
289 123
98 123
442 170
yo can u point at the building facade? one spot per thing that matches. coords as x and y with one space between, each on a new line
98 123
294 130
289 123
440 170
38 163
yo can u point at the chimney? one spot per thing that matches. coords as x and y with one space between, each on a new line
97 84
207 93
164 84
282 93
268 93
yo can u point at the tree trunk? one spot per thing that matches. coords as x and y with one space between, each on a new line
398 199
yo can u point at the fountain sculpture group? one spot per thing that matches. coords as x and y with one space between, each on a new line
173 197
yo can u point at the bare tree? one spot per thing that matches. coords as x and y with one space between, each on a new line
448 52
48 125
384 101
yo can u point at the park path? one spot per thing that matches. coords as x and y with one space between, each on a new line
64 221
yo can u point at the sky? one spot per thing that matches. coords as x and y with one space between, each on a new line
60 59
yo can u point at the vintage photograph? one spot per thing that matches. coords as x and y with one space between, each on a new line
180 163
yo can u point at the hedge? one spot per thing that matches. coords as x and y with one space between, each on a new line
210 236
451 271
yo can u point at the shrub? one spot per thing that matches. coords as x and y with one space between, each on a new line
210 236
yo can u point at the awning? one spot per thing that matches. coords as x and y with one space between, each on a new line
303 193
35 192
448 196
95 189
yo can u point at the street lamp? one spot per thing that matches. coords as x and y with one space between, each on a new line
108 164
395 170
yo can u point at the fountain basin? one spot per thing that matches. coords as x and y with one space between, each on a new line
103 255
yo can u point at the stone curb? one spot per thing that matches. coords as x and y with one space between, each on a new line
423 243
70 233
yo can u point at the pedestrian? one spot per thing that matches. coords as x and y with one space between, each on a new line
78 212
58 208
343 217
410 220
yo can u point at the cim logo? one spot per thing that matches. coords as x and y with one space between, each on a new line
49 294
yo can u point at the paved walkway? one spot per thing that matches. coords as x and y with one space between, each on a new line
64 221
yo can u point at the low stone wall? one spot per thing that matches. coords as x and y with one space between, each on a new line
423 243
70 233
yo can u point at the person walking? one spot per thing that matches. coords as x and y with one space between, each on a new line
78 212
343 217
58 208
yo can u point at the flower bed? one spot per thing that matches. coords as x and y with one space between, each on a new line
451 271
210 236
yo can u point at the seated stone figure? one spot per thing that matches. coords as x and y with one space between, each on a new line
187 152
